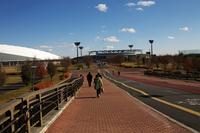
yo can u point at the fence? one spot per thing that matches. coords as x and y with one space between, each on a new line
29 110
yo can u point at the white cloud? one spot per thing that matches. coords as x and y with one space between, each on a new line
71 34
129 30
50 50
171 37
111 39
109 47
102 7
130 4
45 46
98 38
146 3
139 9
185 28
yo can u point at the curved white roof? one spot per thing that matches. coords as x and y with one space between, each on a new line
27 52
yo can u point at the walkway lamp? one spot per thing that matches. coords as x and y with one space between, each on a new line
151 42
81 49
77 44
130 46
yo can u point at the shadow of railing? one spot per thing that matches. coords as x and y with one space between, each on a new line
29 110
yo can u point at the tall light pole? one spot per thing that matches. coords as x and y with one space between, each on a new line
81 48
77 44
130 46
151 42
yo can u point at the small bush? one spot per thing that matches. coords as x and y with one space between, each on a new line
66 75
79 66
43 85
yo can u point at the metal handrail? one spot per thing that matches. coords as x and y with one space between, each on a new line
29 110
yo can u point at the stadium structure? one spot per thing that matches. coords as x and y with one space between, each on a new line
12 55
188 52
104 54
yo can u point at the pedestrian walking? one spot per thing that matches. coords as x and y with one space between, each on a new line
98 74
98 85
118 73
89 79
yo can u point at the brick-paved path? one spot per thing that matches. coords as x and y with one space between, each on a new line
113 112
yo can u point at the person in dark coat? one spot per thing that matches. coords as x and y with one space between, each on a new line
89 79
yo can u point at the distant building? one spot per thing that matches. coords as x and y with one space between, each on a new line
12 55
104 54
186 52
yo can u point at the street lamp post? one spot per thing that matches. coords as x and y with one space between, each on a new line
81 48
77 44
130 46
151 42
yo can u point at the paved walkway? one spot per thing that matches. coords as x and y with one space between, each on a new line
113 112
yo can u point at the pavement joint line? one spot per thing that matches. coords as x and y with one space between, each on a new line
56 116
158 99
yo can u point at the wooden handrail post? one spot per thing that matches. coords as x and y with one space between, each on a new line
57 99
39 97
28 123
10 114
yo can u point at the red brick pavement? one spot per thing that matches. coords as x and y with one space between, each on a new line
113 112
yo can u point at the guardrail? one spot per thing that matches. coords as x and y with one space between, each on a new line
29 110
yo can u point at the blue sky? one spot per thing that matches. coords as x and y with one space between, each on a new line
53 25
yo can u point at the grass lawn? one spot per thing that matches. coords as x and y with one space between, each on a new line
5 97
12 69
13 79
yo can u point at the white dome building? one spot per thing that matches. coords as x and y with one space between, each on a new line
10 53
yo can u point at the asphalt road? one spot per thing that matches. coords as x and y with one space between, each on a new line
178 104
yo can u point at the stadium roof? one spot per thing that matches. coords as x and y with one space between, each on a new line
26 52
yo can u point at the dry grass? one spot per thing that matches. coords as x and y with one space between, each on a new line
12 69
13 79
5 97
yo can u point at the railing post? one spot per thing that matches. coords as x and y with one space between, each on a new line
39 97
57 99
28 123
10 114
66 93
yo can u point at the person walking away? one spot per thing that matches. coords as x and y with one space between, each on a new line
89 79
98 85
118 73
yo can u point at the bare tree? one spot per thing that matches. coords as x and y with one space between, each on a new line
66 63
88 61
41 70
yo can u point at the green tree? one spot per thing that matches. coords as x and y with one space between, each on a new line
26 73
51 68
